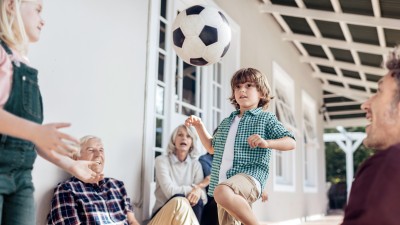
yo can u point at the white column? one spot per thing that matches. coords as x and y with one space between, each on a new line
349 166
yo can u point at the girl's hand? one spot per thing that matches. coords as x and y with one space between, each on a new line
193 121
81 170
47 137
255 140
194 196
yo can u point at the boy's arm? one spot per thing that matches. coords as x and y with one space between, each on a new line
280 144
205 137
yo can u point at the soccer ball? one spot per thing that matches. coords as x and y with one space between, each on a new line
201 35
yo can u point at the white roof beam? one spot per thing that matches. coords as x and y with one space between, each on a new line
351 122
358 96
346 112
376 8
336 5
331 16
367 48
333 95
344 65
348 80
334 104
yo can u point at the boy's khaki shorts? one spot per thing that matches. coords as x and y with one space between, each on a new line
243 185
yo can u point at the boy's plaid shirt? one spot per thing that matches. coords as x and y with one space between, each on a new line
76 202
253 162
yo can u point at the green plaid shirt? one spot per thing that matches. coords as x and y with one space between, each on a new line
253 162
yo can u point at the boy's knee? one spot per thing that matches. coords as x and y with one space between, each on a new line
222 194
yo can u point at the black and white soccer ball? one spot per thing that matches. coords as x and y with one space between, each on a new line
201 35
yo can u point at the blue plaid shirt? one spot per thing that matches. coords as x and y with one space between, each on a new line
253 162
76 202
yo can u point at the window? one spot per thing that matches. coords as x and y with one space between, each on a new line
216 98
283 162
175 89
310 144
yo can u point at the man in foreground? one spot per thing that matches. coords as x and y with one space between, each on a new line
374 197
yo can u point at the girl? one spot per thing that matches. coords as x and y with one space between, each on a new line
21 115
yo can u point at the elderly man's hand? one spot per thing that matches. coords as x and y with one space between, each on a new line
131 219
81 170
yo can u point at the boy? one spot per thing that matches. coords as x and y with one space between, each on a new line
242 147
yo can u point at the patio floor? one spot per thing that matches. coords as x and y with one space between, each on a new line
333 219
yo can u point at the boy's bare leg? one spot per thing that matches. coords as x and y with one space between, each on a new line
235 204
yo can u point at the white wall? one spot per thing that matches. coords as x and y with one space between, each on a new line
91 59
261 44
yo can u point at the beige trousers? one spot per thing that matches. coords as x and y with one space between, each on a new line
243 185
177 211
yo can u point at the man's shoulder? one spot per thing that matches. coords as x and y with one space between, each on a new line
393 154
113 182
68 183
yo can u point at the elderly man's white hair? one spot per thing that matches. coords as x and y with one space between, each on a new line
85 139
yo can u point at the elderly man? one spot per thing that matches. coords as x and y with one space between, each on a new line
77 202
375 196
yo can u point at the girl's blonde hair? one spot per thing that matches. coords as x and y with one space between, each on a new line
12 30
171 144
254 76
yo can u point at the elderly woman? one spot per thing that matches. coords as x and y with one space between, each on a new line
178 174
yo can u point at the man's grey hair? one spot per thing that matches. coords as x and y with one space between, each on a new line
393 65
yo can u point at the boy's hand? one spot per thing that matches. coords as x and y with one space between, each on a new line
193 121
264 196
256 141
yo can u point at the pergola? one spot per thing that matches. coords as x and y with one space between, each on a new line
348 142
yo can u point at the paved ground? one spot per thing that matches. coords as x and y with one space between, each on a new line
334 219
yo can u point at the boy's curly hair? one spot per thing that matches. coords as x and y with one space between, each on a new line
254 76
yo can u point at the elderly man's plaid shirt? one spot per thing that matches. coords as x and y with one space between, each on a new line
76 202
253 162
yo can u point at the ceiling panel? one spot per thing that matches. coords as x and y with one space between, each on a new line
344 42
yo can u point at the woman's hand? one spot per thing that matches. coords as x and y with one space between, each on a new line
194 195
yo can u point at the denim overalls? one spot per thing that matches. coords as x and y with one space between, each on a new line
17 156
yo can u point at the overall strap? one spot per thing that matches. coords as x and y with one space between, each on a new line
4 45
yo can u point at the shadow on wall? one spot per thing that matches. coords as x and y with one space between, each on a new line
44 193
